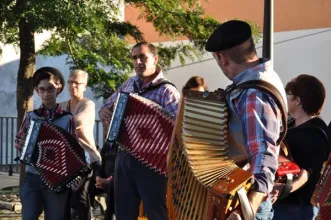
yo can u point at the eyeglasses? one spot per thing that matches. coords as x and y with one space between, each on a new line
43 90
74 83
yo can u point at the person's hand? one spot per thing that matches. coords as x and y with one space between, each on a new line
277 190
101 183
105 116
235 215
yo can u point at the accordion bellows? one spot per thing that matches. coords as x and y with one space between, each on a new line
55 153
202 178
143 128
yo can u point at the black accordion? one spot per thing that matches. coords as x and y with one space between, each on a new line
143 128
55 153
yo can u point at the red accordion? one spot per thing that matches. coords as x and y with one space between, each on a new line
55 153
143 128
322 193
286 167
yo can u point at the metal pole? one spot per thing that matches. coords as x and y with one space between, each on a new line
268 29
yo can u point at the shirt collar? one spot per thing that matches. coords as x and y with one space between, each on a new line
264 65
153 82
44 112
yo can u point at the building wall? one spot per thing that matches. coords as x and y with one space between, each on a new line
289 15
296 52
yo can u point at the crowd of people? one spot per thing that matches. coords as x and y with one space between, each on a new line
255 128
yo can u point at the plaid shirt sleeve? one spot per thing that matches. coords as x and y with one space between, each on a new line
21 135
171 99
111 100
261 121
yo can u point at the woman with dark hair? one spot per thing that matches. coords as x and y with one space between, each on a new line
196 83
307 139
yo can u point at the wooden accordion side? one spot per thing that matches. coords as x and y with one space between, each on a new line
203 180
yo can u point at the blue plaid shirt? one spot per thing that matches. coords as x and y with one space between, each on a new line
167 95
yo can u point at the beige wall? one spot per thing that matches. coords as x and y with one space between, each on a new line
290 15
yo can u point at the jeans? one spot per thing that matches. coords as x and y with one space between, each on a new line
135 182
293 212
36 197
265 211
80 198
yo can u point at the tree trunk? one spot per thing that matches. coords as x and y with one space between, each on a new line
24 96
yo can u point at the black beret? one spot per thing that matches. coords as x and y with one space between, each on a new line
228 35
51 70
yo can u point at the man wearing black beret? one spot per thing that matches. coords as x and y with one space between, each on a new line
255 119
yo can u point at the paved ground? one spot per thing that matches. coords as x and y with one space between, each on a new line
8 181
5 196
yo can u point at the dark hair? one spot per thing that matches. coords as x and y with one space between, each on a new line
195 82
311 92
48 73
150 46
242 52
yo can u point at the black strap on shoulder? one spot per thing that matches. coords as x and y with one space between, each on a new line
156 86
273 91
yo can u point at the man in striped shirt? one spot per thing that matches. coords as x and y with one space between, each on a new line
134 181
255 119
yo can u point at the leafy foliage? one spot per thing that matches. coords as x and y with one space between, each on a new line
92 35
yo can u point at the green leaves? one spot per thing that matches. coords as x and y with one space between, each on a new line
92 35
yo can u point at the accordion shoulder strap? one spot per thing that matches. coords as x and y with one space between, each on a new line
156 86
273 91
56 115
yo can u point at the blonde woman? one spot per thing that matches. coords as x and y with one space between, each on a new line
83 111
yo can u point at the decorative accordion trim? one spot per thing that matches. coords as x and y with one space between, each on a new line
143 128
56 154
322 193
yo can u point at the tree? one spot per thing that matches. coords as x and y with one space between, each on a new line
91 35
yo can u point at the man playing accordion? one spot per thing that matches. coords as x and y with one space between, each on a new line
35 195
133 180
255 119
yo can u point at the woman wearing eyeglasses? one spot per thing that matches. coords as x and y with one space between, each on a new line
83 111
308 141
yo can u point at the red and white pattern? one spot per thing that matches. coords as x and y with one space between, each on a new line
146 132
